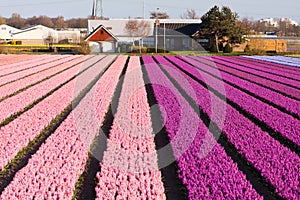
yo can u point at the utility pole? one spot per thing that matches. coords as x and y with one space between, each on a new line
156 27
98 9
101 8
144 7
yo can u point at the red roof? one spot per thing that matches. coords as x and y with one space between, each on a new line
101 34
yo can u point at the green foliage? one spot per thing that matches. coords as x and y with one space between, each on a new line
222 26
214 49
254 51
83 49
2 49
138 49
221 47
227 48
247 49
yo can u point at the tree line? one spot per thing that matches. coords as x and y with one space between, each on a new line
58 22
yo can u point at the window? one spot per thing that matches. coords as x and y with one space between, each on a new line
101 32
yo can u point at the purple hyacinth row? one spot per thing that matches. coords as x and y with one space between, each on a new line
287 125
271 65
281 166
274 77
283 101
278 59
289 74
266 83
210 176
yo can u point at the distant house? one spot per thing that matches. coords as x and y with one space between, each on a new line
38 35
6 32
102 40
171 34
68 36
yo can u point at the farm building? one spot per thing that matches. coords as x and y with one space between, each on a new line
35 35
38 35
268 43
6 32
102 40
172 34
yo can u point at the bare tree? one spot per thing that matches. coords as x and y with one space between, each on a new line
159 15
77 23
45 21
190 14
131 27
2 20
59 22
16 21
144 29
138 28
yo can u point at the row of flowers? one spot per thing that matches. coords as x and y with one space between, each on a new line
281 70
275 162
281 122
285 78
23 82
279 59
204 167
12 60
52 172
129 168
18 102
35 68
281 88
265 93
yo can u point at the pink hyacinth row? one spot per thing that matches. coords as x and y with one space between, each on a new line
40 68
129 168
23 82
26 127
53 171
12 59
30 64
21 100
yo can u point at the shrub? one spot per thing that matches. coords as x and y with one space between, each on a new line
227 48
254 51
247 49
83 49
214 49
221 47
2 49
138 49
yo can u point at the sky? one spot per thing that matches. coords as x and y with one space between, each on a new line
253 9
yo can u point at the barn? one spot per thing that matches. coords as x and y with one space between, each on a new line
6 32
102 40
172 34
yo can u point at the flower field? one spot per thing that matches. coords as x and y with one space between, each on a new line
149 127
